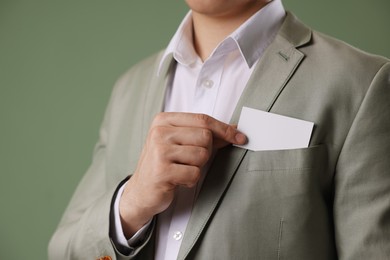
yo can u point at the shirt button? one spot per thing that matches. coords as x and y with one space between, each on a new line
178 235
208 83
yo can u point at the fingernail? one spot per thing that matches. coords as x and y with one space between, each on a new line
240 138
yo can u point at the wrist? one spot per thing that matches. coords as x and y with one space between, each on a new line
132 217
132 222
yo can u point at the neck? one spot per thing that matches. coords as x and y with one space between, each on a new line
209 30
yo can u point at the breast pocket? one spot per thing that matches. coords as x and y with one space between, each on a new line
286 160
280 179
287 173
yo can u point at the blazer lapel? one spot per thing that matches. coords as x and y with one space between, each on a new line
268 80
156 93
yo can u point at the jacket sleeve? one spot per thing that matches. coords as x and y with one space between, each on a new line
362 178
83 232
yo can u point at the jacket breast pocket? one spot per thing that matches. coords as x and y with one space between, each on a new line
286 160
289 173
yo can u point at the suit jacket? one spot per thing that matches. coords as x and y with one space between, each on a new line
328 201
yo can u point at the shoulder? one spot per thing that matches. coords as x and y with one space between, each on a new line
344 61
329 50
329 59
333 68
326 52
344 52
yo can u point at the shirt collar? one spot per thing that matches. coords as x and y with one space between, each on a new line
251 38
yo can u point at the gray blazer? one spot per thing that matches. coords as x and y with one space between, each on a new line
328 201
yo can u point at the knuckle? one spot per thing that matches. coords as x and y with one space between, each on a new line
194 176
170 175
207 135
156 132
228 133
160 154
159 118
204 155
203 119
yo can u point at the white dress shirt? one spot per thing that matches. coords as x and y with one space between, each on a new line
212 87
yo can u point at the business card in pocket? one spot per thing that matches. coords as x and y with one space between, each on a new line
268 131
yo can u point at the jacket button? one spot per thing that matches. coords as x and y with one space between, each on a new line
104 258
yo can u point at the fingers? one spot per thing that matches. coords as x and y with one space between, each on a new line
184 175
188 155
182 136
220 130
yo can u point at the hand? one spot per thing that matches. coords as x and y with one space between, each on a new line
177 147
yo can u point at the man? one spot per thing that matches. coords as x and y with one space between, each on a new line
192 195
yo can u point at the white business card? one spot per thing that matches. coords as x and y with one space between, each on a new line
268 131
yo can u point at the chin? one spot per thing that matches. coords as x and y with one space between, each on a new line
224 7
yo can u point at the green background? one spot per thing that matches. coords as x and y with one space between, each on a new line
58 62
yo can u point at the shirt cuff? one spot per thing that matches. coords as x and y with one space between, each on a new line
118 236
